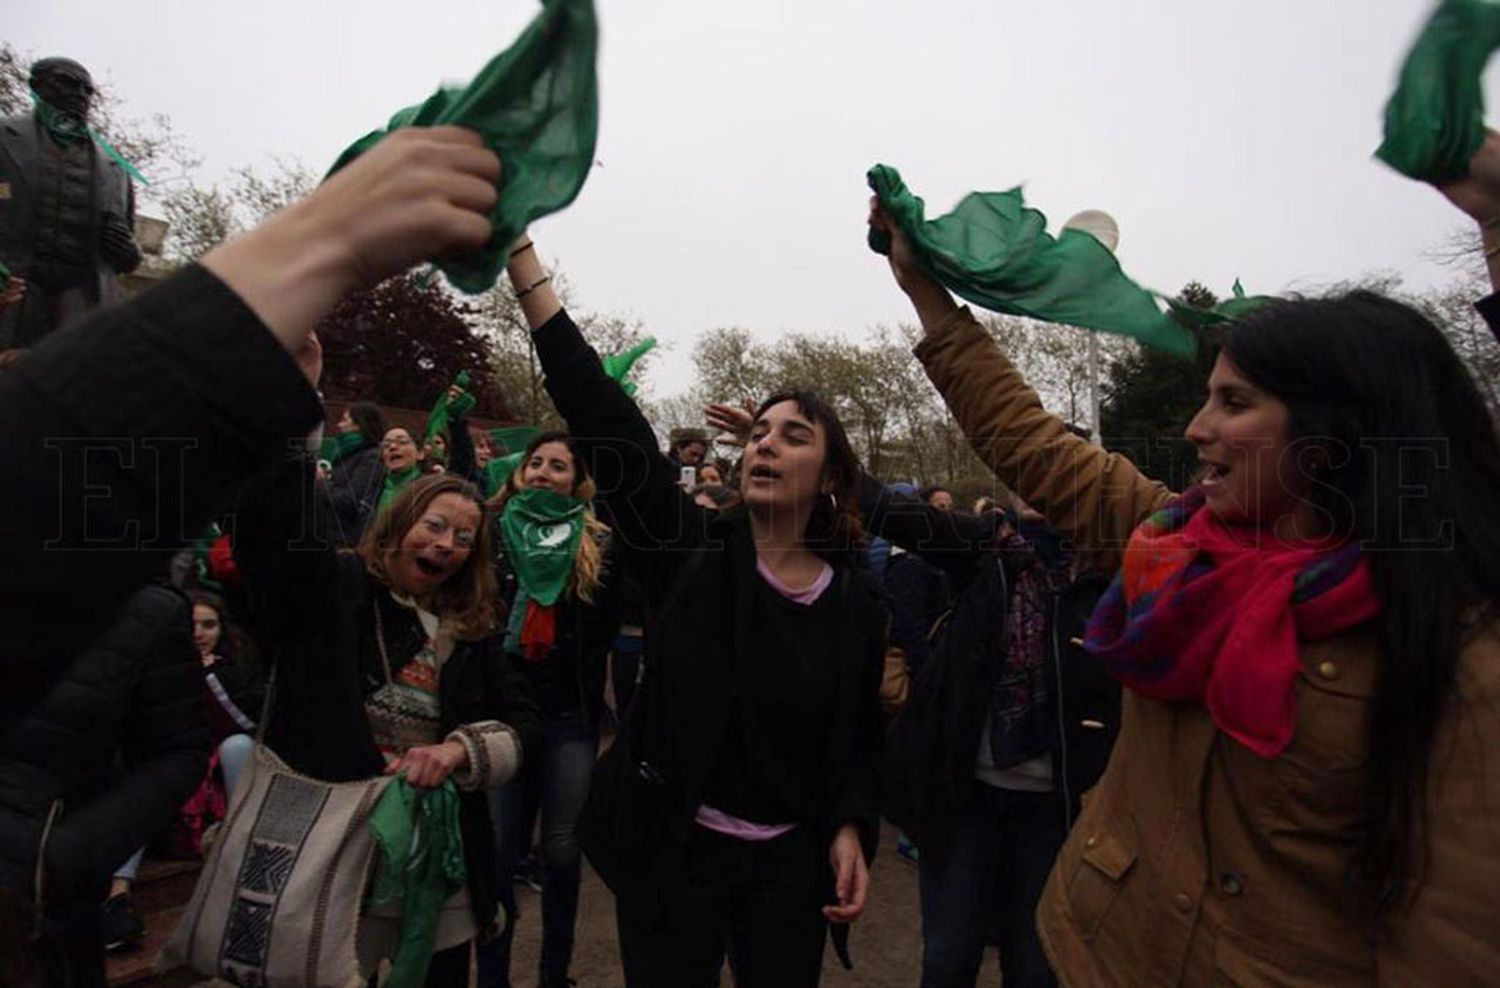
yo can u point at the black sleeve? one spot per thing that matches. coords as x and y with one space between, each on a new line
513 702
908 588
166 752
858 800
950 540
123 438
652 516
305 602
461 451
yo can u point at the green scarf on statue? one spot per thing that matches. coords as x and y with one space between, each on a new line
64 127
67 129
541 530
395 483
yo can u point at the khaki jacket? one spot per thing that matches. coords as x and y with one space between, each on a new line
1196 863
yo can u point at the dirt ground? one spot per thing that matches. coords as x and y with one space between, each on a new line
885 944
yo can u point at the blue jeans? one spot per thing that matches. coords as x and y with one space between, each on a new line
555 783
991 878
235 752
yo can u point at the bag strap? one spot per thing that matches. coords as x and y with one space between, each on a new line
385 659
265 709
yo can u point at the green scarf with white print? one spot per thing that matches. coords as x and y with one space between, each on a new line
541 530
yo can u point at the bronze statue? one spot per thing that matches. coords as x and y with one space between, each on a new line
67 210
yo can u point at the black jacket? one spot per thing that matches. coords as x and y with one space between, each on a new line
313 611
353 491
116 746
205 396
918 595
696 569
932 743
585 634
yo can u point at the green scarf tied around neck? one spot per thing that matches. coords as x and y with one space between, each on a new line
68 129
421 865
395 483
541 530
64 127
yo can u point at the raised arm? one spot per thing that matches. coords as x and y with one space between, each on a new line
652 516
195 375
1477 195
1092 497
951 540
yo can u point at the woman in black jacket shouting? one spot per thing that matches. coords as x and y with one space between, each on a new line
388 660
559 583
738 806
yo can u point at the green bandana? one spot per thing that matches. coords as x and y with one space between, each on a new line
421 864
616 366
995 252
449 409
395 483
68 129
541 529
1434 122
537 106
64 127
339 445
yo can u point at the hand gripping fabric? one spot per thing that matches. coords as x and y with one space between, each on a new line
1434 122
995 252
536 105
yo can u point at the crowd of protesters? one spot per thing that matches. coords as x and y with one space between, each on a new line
1245 733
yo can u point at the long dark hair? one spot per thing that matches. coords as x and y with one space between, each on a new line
234 644
369 421
1385 409
834 529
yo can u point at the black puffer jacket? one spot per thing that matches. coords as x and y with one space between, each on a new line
113 749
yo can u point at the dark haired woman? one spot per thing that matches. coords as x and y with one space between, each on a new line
756 732
1306 785
559 582
388 660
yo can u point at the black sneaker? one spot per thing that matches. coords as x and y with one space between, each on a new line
121 926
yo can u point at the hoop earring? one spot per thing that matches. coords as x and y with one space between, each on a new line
833 502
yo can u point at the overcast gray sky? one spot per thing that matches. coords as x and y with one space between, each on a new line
1230 138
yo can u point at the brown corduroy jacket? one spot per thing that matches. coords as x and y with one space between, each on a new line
1195 862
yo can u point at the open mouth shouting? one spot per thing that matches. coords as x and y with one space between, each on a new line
762 474
1214 474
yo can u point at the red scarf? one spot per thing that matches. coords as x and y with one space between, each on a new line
1205 612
